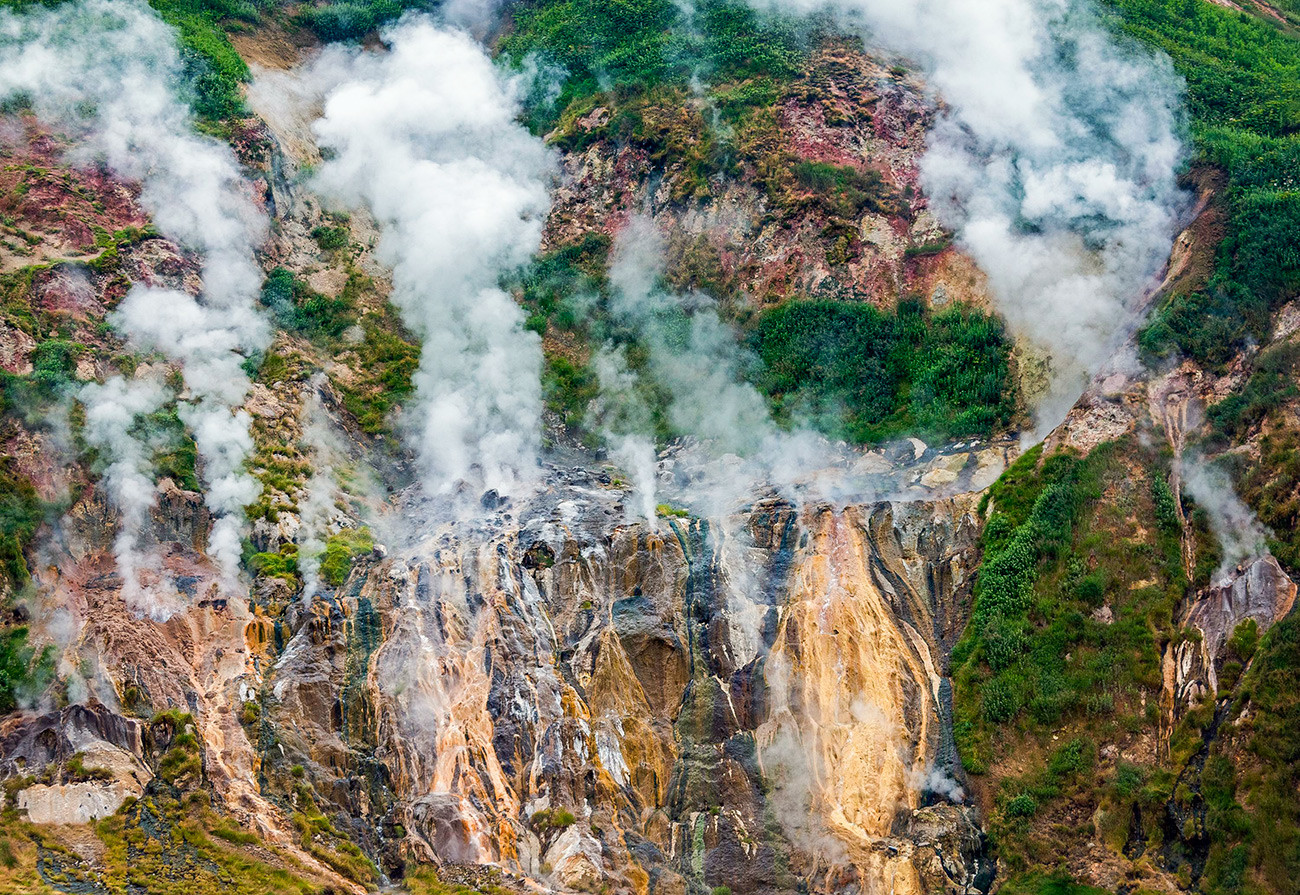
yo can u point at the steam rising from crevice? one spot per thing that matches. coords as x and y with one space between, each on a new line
1238 530
111 412
1054 158
733 449
426 136
107 71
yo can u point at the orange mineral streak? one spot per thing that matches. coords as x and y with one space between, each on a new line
851 688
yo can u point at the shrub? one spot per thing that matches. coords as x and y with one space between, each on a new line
301 310
1244 640
341 550
1022 805
330 238
866 375
1001 699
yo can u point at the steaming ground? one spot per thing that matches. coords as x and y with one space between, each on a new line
1054 159
106 71
426 137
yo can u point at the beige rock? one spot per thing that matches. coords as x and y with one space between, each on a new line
75 803
938 478
575 858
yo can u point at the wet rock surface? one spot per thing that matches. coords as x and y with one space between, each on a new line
746 700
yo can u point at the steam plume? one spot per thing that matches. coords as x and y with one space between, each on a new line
1236 527
426 136
111 411
1054 159
107 71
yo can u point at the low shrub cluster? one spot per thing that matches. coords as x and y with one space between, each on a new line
1243 92
865 374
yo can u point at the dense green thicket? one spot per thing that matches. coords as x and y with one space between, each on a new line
866 374
1252 821
1053 553
213 70
608 44
21 512
1243 92
23 673
850 369
354 19
1074 603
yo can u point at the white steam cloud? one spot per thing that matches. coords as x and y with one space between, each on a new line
107 71
111 411
426 136
1054 159
1236 527
696 363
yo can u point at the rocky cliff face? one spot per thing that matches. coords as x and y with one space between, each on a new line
743 701
755 698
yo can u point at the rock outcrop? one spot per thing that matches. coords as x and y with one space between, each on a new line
746 701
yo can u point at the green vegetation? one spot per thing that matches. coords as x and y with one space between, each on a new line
1269 483
1056 883
424 880
23 673
551 291
162 844
75 769
1243 91
354 19
847 192
330 238
853 370
303 311
1252 821
553 819
21 512
169 840
1034 654
1074 606
278 565
626 44
386 362
867 375
213 69
177 455
341 550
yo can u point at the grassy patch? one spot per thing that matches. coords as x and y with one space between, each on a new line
866 375
341 551
1243 91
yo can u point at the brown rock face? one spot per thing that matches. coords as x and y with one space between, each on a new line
1261 592
745 701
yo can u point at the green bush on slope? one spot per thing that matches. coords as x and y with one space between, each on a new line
213 69
1243 92
866 374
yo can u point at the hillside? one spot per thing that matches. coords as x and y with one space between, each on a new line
649 447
